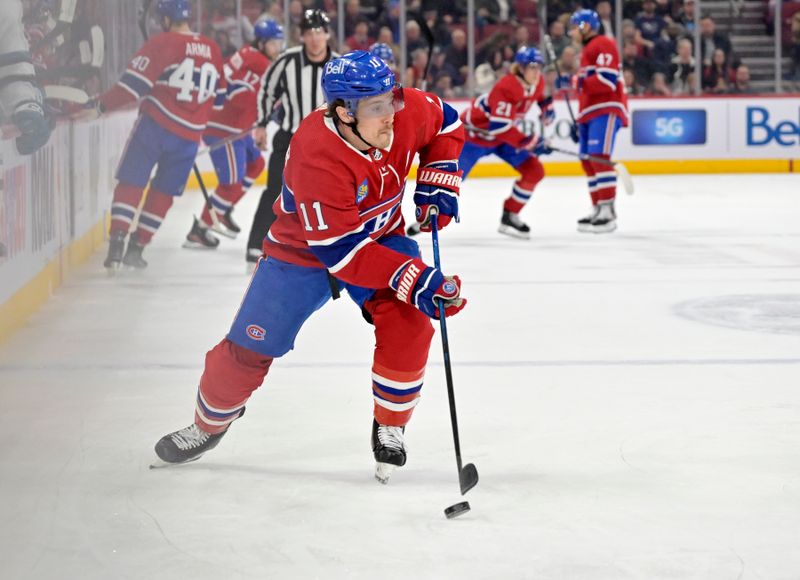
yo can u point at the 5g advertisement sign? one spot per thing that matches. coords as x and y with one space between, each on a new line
669 127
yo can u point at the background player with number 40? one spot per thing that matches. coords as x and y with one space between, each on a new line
339 214
178 77
239 162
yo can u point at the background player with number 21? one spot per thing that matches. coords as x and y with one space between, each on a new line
603 110
178 77
339 215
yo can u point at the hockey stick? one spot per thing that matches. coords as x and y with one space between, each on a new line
65 93
467 474
98 46
212 212
428 34
621 170
552 54
223 142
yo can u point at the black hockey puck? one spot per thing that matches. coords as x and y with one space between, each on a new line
456 510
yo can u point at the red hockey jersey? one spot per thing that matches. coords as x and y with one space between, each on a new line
179 79
601 87
494 113
336 200
243 73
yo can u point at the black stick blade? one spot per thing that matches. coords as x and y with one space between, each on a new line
456 510
468 477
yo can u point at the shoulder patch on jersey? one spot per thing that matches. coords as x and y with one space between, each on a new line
362 191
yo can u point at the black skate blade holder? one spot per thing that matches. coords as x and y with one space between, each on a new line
467 474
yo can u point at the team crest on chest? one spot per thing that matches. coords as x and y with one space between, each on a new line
362 191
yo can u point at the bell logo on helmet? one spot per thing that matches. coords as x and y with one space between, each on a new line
335 67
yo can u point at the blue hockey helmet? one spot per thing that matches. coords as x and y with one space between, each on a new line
175 10
383 51
528 55
585 18
359 75
268 30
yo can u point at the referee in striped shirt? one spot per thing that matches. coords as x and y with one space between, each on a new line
290 90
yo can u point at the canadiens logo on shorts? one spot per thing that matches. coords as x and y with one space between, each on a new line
255 332
362 192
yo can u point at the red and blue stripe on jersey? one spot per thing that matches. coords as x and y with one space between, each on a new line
601 90
337 200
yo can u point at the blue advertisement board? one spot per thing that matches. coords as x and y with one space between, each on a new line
669 127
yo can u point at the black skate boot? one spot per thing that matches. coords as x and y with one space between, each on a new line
226 227
388 446
606 219
585 223
116 248
511 225
187 444
133 255
200 238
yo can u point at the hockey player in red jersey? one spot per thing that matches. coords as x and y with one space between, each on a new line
177 76
339 226
239 162
603 111
495 124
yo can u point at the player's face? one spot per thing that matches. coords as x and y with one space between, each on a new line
376 119
316 41
576 34
273 48
532 73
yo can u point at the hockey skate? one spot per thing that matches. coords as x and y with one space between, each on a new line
185 445
200 238
606 219
133 255
388 446
511 225
116 249
225 226
585 223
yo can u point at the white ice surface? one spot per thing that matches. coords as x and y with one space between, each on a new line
631 401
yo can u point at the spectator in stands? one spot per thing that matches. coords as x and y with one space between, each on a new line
369 10
444 86
794 75
385 36
491 11
559 37
225 45
686 17
352 16
603 10
415 74
710 39
631 9
391 19
741 86
223 17
439 28
414 39
658 86
631 86
568 63
642 67
717 76
522 37
667 46
664 9
649 26
457 55
628 32
682 69
440 66
360 39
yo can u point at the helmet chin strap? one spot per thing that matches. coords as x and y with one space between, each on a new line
354 128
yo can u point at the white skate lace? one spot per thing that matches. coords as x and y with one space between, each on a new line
391 437
189 438
514 219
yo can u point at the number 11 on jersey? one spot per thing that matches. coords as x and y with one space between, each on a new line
320 220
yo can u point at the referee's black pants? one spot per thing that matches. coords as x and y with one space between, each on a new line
264 217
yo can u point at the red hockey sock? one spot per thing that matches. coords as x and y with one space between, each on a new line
605 180
402 341
532 173
223 199
254 169
588 169
231 375
155 208
124 207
